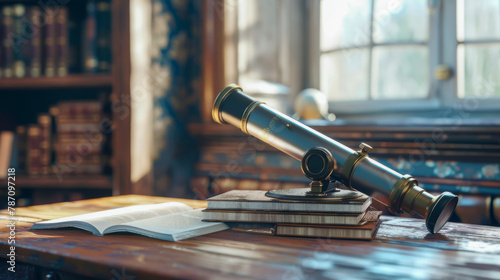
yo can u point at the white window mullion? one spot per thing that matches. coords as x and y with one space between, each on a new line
448 47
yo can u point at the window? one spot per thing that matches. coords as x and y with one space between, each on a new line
367 56
374 55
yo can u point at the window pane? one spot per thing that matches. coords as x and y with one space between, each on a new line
400 72
400 21
479 19
259 40
478 70
344 23
344 74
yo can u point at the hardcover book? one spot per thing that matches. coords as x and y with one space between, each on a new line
2 58
103 19
171 221
33 150
87 148
283 217
365 230
84 159
35 54
79 119
6 152
80 169
50 42
18 41
21 141
62 47
81 112
92 137
74 43
90 60
71 128
257 200
44 122
7 51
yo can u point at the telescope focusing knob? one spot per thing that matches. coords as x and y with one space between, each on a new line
317 164
365 148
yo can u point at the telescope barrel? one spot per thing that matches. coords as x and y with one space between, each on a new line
353 168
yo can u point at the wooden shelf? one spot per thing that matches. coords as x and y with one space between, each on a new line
70 81
68 181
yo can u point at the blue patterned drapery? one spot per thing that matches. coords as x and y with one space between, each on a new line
176 56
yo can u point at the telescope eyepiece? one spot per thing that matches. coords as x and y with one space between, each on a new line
317 164
441 211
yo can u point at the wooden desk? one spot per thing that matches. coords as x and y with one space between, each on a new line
402 249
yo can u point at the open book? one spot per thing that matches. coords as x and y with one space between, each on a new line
171 221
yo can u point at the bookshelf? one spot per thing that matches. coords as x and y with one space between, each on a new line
74 86
49 181
70 81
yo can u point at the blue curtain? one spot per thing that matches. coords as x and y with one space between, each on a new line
176 58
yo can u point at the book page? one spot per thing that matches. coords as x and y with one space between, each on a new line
171 227
97 222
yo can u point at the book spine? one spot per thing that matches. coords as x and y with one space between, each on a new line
81 159
2 64
35 57
74 47
66 128
83 169
18 40
50 43
60 119
91 138
90 39
6 150
7 50
80 108
103 19
61 149
21 136
33 159
14 155
62 41
44 122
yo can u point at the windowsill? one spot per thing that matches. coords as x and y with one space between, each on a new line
395 119
368 124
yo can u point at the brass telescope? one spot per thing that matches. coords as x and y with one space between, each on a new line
324 159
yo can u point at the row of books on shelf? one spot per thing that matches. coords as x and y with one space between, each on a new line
68 140
52 41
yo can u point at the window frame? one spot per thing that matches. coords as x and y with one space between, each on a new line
442 46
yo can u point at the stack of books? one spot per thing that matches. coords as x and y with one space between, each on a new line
79 140
46 40
71 139
350 219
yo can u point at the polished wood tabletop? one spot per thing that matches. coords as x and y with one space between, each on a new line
402 249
